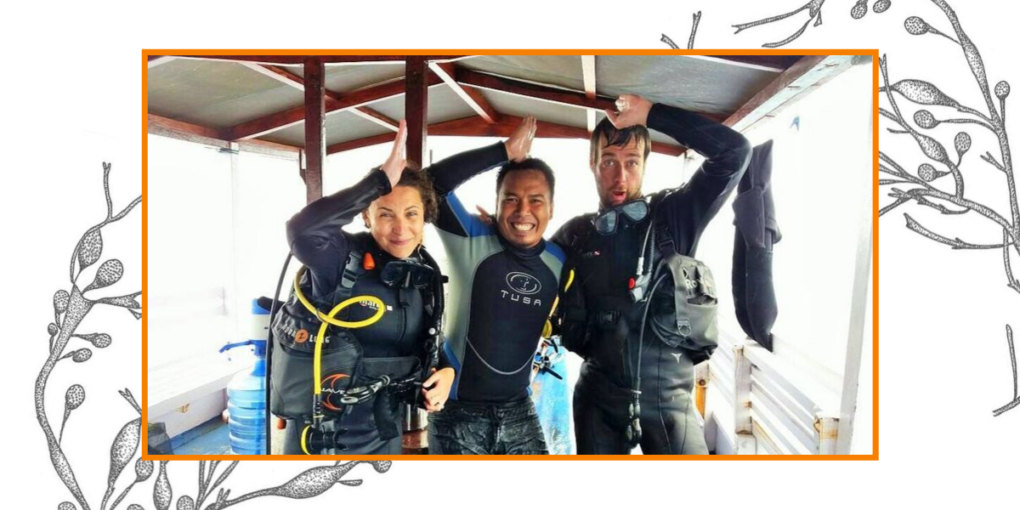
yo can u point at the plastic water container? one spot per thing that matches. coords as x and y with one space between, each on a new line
552 396
246 393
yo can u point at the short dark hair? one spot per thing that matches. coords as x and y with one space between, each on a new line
618 137
527 164
419 180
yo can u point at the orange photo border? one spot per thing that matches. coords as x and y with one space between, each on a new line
146 53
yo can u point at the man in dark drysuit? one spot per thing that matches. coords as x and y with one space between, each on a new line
601 320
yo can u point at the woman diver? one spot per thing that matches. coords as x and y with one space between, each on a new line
361 373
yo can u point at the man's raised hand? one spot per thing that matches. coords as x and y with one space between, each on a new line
518 146
632 110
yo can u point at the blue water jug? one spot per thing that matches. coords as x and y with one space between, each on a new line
551 394
246 393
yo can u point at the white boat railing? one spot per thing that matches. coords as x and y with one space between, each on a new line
754 402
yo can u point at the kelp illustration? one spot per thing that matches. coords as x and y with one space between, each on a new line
813 8
70 309
942 168
690 41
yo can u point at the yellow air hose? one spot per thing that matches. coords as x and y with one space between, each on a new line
547 330
326 321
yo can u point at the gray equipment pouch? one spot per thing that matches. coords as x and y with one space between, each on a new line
690 323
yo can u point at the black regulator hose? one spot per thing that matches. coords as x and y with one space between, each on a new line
437 314
269 353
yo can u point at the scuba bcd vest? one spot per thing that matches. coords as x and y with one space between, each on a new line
683 317
347 377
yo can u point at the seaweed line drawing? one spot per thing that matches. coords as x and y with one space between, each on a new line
70 309
814 8
690 41
925 193
927 94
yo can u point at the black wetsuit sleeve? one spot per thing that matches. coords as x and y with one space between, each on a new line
727 153
314 233
455 170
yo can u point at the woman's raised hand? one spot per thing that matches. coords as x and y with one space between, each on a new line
394 165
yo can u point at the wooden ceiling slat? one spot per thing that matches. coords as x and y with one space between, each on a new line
159 60
476 126
163 126
295 60
541 92
284 76
472 97
280 120
588 71
788 87
771 63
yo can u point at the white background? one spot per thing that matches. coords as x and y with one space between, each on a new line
71 100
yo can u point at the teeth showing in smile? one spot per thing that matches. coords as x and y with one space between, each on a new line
521 227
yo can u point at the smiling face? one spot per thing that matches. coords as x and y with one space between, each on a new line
524 207
396 221
618 171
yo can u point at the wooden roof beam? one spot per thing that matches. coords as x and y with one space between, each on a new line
163 126
284 76
476 126
519 88
296 60
280 120
790 86
473 97
588 71
158 60
541 92
770 63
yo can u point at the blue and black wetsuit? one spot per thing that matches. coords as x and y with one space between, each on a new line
602 323
499 299
319 243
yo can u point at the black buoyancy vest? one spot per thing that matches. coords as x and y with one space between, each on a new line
398 346
598 315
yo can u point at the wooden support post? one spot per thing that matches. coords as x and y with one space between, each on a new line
415 108
744 441
701 375
315 126
828 435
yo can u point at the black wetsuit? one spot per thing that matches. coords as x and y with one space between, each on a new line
608 336
318 242
500 298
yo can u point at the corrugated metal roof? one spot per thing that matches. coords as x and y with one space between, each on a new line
216 94
444 105
222 94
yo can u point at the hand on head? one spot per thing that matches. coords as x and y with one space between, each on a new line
394 165
632 110
518 146
484 216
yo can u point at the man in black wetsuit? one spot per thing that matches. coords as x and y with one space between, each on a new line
503 281
602 317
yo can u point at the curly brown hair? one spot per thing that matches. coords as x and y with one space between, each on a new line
412 177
